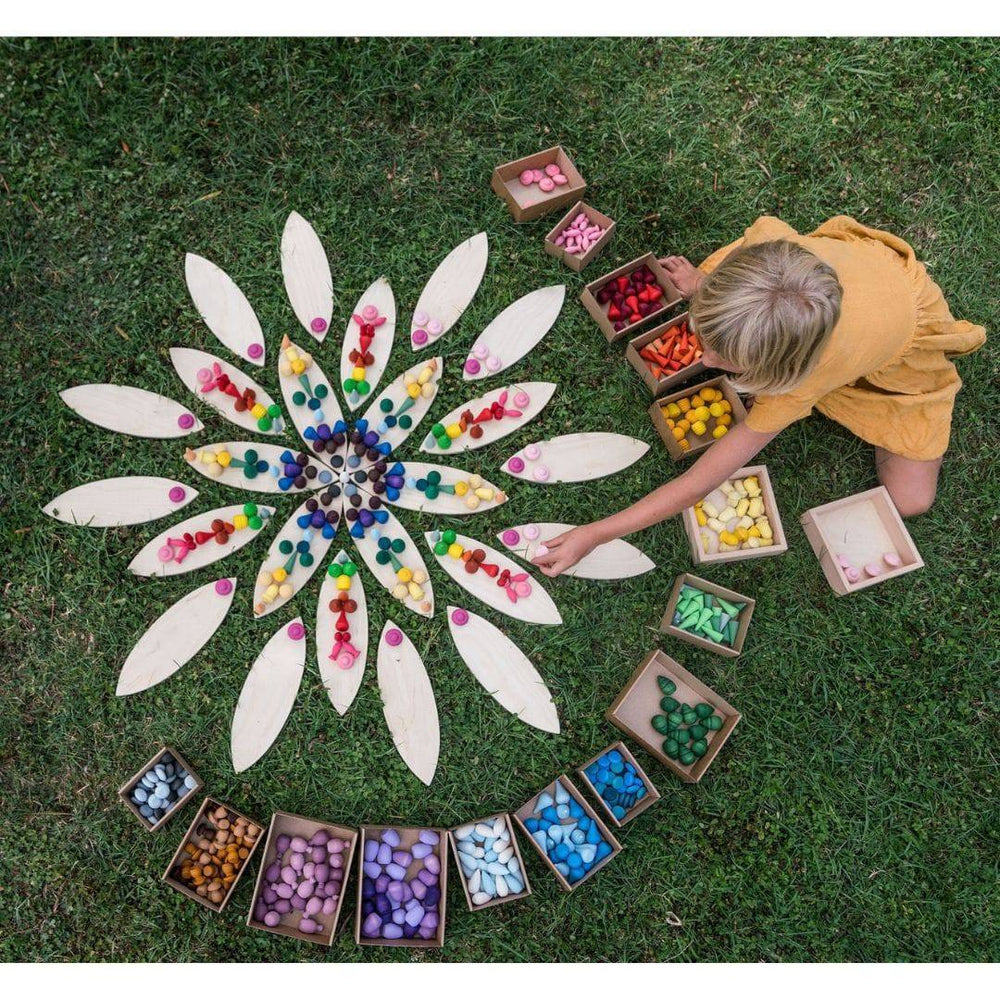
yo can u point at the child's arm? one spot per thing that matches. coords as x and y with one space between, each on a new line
717 464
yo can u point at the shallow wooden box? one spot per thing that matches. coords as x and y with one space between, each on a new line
671 297
527 203
408 837
302 826
779 543
651 796
732 596
210 804
123 792
578 261
527 810
862 527
639 701
658 386
675 451
517 854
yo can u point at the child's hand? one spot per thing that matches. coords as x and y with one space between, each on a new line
566 550
683 274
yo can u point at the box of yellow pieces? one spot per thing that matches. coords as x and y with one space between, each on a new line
692 419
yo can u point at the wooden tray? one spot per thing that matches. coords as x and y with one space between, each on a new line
517 854
651 796
527 203
578 261
123 792
675 451
667 626
599 313
658 386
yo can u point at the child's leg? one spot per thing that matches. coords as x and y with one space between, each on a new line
912 484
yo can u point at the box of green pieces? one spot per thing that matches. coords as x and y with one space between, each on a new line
707 615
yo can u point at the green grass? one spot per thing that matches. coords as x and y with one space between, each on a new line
852 816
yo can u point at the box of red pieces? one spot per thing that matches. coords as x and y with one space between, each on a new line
629 296
666 355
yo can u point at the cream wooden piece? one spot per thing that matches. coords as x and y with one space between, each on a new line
396 391
128 410
263 482
386 575
576 458
306 271
302 416
444 503
452 286
378 294
112 503
341 685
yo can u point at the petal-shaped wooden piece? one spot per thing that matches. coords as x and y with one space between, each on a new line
149 563
410 557
408 702
451 288
306 271
188 362
128 410
525 398
536 606
111 503
341 678
176 636
403 404
202 460
268 695
514 332
411 498
308 422
575 458
224 308
614 560
378 296
503 670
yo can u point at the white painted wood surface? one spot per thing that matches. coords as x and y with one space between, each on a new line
341 685
306 271
368 546
396 391
112 503
452 286
408 704
301 416
267 697
378 294
129 410
504 671
411 498
175 638
577 458
263 482
516 330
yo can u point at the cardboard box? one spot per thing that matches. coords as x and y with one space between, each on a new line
302 826
207 806
527 810
639 701
732 596
408 837
658 386
588 297
517 853
862 528
578 261
531 202
651 796
697 444
779 543
126 789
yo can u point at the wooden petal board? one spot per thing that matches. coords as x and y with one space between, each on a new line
408 703
576 458
615 560
341 685
515 331
537 608
147 562
188 362
263 482
111 503
379 294
302 416
224 308
539 394
503 670
452 287
411 498
386 575
176 636
306 271
268 695
396 391
128 410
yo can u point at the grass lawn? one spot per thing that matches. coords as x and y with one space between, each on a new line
854 813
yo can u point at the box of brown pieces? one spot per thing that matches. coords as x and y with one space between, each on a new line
625 298
688 423
581 217
158 790
654 354
539 183
490 866
620 803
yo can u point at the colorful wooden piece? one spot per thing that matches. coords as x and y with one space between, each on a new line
410 558
113 503
341 682
310 399
447 501
575 458
247 457
407 402
306 271
128 410
379 297
614 560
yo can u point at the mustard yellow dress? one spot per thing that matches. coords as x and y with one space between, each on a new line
886 373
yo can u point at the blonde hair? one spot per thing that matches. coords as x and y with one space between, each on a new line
768 310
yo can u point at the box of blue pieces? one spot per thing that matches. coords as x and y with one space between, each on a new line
567 833
618 783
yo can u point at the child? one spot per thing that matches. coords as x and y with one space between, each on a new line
844 320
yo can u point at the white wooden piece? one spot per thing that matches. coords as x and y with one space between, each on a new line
411 557
504 671
451 287
263 482
306 271
576 458
411 498
268 695
112 503
378 294
341 685
614 560
515 331
128 410
224 308
147 561
396 391
539 394
537 608
188 362
302 416
408 704
175 637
